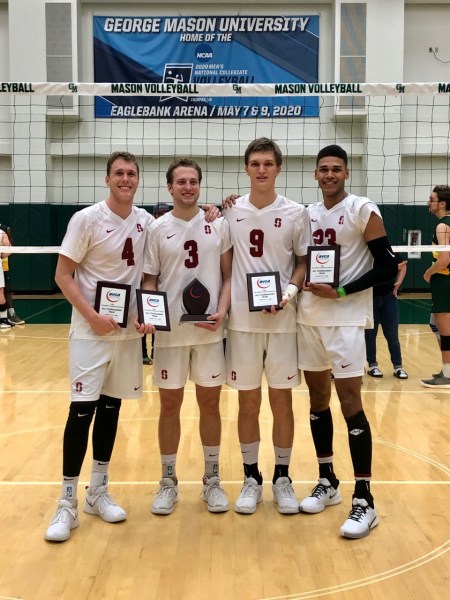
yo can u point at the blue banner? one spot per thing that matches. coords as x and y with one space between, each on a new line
237 50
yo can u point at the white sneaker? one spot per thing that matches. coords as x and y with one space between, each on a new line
284 496
99 502
250 496
64 519
323 495
361 519
215 496
166 497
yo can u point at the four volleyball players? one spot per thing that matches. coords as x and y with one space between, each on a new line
270 235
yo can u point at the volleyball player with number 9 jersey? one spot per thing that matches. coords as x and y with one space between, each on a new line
268 231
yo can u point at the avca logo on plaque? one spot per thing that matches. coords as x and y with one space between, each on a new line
264 290
323 264
153 309
113 300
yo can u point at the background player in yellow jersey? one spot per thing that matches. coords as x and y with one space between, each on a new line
438 276
4 321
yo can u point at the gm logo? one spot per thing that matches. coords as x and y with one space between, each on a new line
204 53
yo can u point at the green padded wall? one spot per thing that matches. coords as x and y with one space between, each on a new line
45 225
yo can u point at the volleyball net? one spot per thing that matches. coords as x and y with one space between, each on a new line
55 139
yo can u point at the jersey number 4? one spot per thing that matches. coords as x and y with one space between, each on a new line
128 252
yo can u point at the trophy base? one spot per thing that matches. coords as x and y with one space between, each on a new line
195 319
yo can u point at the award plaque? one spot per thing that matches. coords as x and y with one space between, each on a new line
113 300
323 265
196 299
153 308
264 290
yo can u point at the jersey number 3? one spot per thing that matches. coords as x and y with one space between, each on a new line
192 248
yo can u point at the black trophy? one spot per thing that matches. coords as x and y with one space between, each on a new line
196 301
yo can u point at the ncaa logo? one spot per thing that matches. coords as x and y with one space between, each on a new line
204 53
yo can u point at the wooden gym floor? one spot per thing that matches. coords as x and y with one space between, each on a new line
192 554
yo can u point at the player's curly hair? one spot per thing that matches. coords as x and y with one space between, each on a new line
443 194
333 150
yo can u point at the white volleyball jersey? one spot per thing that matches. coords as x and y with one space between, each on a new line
179 251
344 224
264 240
106 248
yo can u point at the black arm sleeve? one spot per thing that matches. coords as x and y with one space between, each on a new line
384 270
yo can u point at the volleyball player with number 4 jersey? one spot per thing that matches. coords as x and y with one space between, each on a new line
331 333
103 243
183 247
268 231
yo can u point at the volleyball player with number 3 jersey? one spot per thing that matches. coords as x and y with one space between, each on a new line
331 333
268 231
183 247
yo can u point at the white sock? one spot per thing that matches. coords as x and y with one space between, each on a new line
211 456
99 475
168 463
250 453
70 489
446 370
282 455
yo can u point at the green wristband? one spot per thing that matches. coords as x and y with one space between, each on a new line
341 292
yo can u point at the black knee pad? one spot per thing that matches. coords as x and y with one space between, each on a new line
108 404
445 343
81 413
